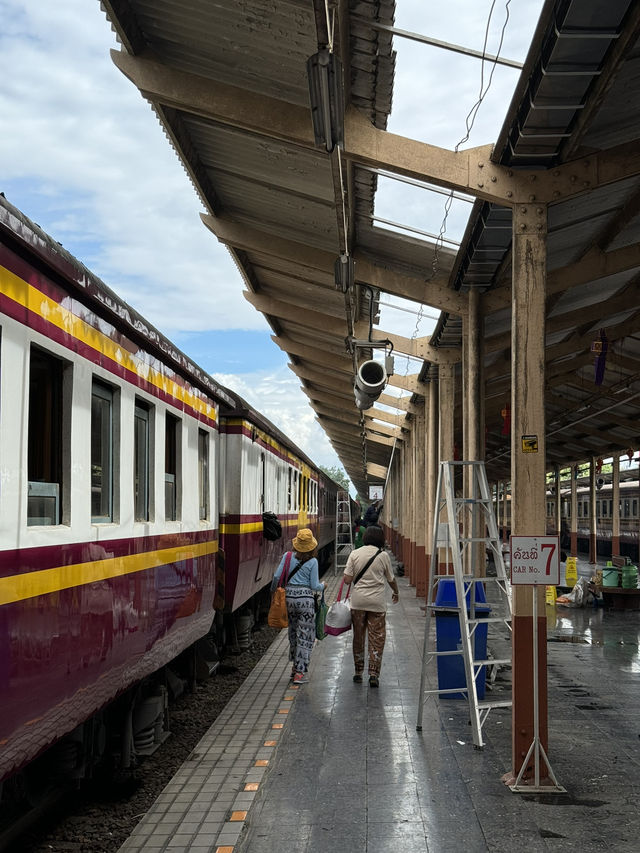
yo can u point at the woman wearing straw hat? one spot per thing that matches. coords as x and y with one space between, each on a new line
302 581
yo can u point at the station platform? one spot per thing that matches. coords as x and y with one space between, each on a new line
337 766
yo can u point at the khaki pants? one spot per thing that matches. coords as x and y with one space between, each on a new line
374 624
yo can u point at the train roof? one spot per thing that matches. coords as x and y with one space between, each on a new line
25 235
244 410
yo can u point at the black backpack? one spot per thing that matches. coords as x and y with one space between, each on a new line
271 527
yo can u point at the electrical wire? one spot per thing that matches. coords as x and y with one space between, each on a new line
470 119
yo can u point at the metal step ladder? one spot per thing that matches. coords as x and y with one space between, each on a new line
344 532
465 531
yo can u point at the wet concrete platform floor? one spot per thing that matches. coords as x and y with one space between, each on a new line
351 772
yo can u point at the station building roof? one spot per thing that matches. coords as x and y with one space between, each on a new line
228 81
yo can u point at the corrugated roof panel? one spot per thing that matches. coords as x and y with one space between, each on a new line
234 151
260 45
616 122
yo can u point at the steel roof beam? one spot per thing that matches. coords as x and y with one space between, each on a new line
402 403
432 292
376 470
318 357
470 171
355 435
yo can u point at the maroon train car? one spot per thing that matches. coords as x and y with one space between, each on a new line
116 458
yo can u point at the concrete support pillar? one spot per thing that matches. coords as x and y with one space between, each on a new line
412 509
446 383
615 516
421 503
528 489
506 519
474 433
593 529
574 511
432 461
558 501
406 507
395 519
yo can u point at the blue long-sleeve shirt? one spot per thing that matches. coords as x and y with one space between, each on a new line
306 576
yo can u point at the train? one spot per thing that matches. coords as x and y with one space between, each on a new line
629 517
143 510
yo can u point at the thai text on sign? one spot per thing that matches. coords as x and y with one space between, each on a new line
535 560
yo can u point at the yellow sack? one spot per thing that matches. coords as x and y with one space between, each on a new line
277 617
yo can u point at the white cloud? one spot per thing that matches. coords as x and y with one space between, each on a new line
277 395
81 146
111 186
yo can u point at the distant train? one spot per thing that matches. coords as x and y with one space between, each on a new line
143 510
629 518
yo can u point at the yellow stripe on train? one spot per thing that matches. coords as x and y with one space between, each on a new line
53 312
248 527
45 581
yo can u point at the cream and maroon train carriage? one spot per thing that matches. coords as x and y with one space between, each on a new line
115 460
262 471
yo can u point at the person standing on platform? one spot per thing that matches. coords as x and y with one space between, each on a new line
372 514
302 581
369 569
358 532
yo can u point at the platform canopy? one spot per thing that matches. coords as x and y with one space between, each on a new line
292 197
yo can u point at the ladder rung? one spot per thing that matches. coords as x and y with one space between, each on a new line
464 539
489 619
492 662
498 703
462 689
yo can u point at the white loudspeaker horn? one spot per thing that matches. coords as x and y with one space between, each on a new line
370 381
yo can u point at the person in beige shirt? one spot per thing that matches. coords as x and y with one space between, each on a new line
368 601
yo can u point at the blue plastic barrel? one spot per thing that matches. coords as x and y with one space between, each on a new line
451 672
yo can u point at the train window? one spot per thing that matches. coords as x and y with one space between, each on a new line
48 436
625 508
102 442
604 509
598 514
203 473
141 461
172 468
289 490
634 508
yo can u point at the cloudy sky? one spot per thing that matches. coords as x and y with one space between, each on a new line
83 155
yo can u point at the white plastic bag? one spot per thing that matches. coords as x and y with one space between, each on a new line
338 619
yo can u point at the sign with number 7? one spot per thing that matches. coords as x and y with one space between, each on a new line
535 560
